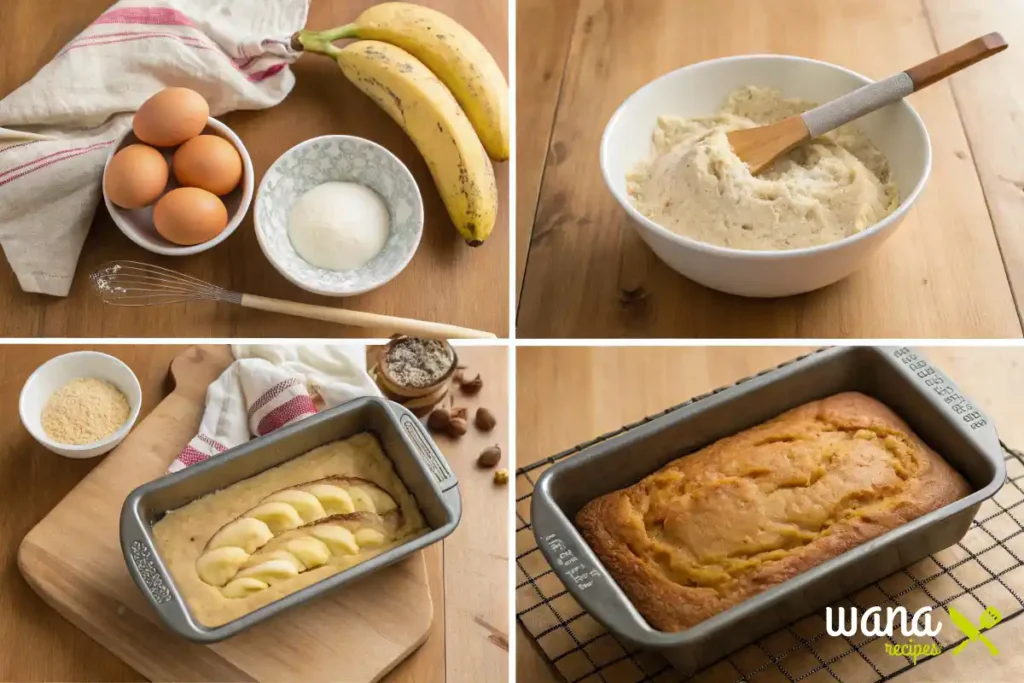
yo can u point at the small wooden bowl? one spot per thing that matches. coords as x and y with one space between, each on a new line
388 383
420 400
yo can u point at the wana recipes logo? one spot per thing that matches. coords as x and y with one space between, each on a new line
840 622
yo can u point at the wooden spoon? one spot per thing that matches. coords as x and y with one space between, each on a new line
759 147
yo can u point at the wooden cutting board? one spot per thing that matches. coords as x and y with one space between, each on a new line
73 559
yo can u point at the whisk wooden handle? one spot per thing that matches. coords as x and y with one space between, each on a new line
419 328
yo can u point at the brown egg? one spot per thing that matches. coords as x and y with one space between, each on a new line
135 177
209 162
171 117
189 215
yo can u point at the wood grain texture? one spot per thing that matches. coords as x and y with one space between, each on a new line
72 558
575 394
32 482
445 282
590 275
49 648
544 32
993 115
476 555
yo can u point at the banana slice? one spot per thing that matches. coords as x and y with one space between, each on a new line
335 500
362 500
306 504
270 572
282 555
246 533
369 538
216 567
239 588
382 501
311 552
278 516
339 539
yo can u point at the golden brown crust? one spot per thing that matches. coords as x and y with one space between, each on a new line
750 511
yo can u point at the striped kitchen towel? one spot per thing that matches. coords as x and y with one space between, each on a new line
270 386
57 128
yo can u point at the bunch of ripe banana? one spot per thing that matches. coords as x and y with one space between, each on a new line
436 80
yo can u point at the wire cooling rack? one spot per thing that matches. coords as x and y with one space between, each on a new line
983 570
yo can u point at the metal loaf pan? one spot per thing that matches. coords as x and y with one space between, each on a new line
417 460
899 377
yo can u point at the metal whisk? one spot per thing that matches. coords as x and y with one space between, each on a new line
131 283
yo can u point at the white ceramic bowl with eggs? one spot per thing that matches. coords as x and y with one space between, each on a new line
55 374
137 224
700 90
338 158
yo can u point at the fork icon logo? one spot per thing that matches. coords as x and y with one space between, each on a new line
989 618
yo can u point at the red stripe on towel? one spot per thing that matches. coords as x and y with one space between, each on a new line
266 73
270 394
296 408
152 16
190 456
50 162
51 154
21 144
211 442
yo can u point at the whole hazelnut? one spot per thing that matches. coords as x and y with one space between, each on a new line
472 386
501 477
489 457
457 427
439 420
484 420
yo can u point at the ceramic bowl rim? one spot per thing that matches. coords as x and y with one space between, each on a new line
81 449
419 217
762 255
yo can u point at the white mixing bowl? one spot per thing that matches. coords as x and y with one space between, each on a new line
700 90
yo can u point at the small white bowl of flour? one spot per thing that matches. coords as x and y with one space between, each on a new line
338 215
80 404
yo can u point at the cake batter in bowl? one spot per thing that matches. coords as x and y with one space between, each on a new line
701 90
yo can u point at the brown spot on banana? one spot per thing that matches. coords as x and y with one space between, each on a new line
417 100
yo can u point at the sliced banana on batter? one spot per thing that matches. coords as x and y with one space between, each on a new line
246 533
336 500
339 539
369 538
280 517
239 588
216 567
270 572
283 555
311 552
362 500
306 504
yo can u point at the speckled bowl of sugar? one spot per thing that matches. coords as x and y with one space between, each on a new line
338 159
86 407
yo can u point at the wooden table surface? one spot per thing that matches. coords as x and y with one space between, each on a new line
446 281
949 271
579 393
468 570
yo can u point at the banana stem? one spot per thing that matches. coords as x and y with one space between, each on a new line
321 42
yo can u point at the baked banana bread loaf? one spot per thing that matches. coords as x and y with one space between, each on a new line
750 511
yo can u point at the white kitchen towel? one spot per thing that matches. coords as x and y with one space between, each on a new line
56 129
270 386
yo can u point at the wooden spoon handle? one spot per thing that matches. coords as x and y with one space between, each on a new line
948 63
419 328
868 98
